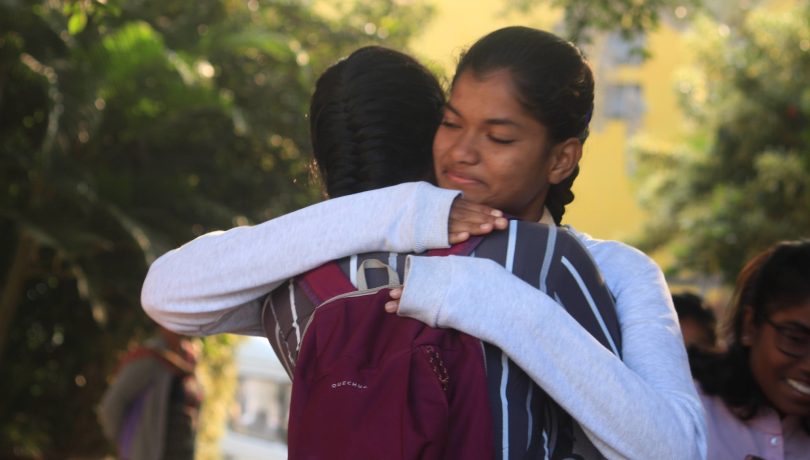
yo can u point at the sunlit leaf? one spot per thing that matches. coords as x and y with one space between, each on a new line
77 22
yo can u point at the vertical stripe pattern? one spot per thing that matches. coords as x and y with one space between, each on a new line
504 406
587 295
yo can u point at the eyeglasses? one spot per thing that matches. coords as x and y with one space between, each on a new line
791 340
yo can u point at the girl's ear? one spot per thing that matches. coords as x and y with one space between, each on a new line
748 327
565 157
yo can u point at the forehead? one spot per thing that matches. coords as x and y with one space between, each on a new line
491 92
490 99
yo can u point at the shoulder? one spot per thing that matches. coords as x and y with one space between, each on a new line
615 254
712 404
540 233
717 413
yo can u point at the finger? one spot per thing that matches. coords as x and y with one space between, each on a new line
501 223
478 207
466 212
458 237
474 227
473 219
396 293
462 203
392 306
469 219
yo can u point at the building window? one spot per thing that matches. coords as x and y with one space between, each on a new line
620 51
625 102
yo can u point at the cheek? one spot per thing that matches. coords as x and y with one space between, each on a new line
516 180
762 371
524 171
441 141
767 364
504 171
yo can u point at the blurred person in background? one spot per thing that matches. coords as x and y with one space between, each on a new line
756 393
150 410
698 322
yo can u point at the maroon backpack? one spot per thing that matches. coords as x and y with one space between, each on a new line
372 385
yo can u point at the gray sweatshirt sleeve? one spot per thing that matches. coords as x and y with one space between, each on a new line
215 283
642 407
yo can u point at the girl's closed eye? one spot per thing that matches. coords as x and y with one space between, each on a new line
501 140
449 124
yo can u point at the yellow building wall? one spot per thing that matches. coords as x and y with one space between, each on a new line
606 204
457 24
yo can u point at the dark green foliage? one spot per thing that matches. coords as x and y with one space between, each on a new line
126 129
583 20
740 181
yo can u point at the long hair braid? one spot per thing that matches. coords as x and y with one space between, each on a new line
559 195
372 120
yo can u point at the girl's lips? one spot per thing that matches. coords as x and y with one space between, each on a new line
460 179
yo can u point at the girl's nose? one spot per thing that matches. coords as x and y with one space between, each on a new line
465 149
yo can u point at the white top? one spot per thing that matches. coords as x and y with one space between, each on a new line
642 408
766 435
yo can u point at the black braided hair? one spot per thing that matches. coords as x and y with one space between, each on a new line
560 194
372 120
553 82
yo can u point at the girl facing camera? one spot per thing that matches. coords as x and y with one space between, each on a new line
757 392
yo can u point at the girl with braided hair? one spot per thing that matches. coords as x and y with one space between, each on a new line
372 118
510 139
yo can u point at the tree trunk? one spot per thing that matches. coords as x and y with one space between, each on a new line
14 284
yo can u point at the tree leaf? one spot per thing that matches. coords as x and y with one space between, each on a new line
77 23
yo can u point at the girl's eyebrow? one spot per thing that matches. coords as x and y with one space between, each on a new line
450 107
489 121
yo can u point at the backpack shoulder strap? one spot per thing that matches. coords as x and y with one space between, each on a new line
328 280
324 282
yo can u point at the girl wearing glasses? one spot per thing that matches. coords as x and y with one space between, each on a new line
757 393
